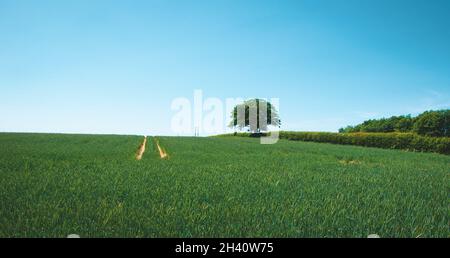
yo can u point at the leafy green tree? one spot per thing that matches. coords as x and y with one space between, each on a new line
433 123
348 129
381 125
263 119
404 124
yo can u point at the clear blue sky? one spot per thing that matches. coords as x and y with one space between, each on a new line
111 66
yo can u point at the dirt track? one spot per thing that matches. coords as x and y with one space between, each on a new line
141 149
162 153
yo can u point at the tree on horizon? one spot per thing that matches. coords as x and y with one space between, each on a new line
263 119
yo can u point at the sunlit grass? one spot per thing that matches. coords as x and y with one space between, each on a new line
56 185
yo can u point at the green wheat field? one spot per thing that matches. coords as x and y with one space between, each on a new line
55 185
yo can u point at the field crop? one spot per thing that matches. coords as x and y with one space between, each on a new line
56 185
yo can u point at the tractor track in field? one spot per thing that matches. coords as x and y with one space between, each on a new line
141 149
162 153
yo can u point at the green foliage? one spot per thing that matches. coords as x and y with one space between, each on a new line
55 185
403 124
429 123
384 125
405 141
433 123
263 119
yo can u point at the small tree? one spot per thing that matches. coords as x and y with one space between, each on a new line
254 107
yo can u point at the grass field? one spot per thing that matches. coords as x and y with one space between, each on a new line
55 185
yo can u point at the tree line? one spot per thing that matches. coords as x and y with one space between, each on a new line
428 123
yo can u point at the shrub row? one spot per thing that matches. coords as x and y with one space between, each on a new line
404 141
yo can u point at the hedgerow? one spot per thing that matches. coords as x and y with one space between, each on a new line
404 141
